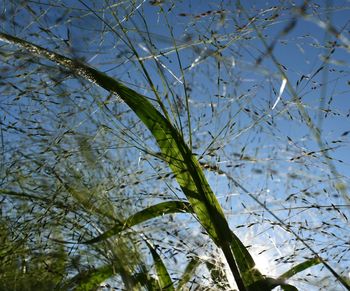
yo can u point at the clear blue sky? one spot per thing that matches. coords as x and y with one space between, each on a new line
272 152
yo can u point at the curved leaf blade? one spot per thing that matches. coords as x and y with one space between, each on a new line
188 273
148 213
245 261
164 279
300 267
270 283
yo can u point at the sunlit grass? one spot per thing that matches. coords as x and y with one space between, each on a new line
165 181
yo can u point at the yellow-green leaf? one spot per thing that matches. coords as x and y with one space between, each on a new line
164 280
151 212
300 267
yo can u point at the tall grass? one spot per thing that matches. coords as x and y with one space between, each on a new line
112 237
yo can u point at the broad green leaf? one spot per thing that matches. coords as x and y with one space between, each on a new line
270 283
188 273
245 261
164 280
175 152
142 216
299 268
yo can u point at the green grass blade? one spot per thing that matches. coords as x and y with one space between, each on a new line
300 267
142 216
245 261
188 273
164 280
191 179
270 283
175 152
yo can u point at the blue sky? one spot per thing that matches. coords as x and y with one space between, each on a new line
272 152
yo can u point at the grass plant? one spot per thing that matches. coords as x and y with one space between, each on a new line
125 240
